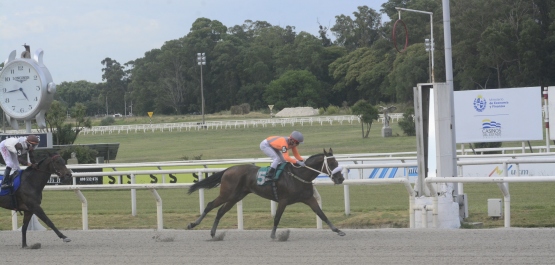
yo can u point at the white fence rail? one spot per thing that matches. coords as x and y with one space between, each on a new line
502 182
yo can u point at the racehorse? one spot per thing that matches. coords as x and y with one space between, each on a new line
28 196
294 185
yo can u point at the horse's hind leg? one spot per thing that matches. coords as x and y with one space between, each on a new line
224 209
313 204
209 207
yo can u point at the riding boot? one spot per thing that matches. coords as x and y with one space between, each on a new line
270 174
7 182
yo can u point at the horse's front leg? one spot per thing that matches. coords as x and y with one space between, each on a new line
279 212
39 212
313 204
26 219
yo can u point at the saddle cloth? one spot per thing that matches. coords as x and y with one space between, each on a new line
15 182
261 174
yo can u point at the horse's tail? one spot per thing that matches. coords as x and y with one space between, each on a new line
210 182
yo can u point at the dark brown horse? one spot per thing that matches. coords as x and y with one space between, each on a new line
294 185
29 194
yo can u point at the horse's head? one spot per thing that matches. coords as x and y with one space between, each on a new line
326 164
332 167
57 165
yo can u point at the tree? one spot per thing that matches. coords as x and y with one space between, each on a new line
366 113
294 88
82 91
362 31
113 90
62 132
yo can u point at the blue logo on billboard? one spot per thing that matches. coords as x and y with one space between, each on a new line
491 129
480 103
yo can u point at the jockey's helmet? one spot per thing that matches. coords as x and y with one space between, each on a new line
297 136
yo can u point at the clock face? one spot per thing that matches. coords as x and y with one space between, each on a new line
20 89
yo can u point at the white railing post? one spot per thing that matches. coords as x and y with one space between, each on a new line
133 197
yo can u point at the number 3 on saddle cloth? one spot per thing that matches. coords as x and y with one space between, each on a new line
15 182
261 174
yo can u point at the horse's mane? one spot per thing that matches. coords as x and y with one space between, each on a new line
50 155
316 155
313 156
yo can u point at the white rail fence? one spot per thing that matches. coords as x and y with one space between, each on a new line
501 181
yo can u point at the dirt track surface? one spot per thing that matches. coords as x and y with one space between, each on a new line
304 246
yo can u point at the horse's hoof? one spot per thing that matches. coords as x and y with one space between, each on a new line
190 226
67 239
341 233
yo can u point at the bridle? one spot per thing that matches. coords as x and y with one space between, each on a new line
325 166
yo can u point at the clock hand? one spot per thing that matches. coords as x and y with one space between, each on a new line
24 94
11 91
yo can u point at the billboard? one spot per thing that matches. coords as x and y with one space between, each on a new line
498 115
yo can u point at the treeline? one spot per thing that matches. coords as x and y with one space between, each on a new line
495 44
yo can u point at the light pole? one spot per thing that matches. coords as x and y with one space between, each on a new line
430 50
201 59
125 104
431 32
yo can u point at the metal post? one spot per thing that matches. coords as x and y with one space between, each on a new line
201 59
431 33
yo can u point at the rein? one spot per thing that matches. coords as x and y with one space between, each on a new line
324 166
321 171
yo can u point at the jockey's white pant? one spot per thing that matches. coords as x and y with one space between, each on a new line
9 157
274 154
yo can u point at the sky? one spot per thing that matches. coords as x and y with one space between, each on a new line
76 35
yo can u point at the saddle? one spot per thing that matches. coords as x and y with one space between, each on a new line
261 174
15 184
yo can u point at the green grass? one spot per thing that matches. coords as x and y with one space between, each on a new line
244 142
371 206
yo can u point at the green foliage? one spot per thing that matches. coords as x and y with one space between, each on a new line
332 110
62 132
263 64
186 158
241 109
84 154
293 89
108 120
71 93
407 123
489 145
367 114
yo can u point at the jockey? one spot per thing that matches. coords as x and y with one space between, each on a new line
10 149
276 147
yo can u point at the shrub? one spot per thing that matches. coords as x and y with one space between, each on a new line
407 123
332 110
242 109
109 120
84 154
489 145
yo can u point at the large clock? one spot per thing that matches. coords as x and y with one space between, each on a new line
26 89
